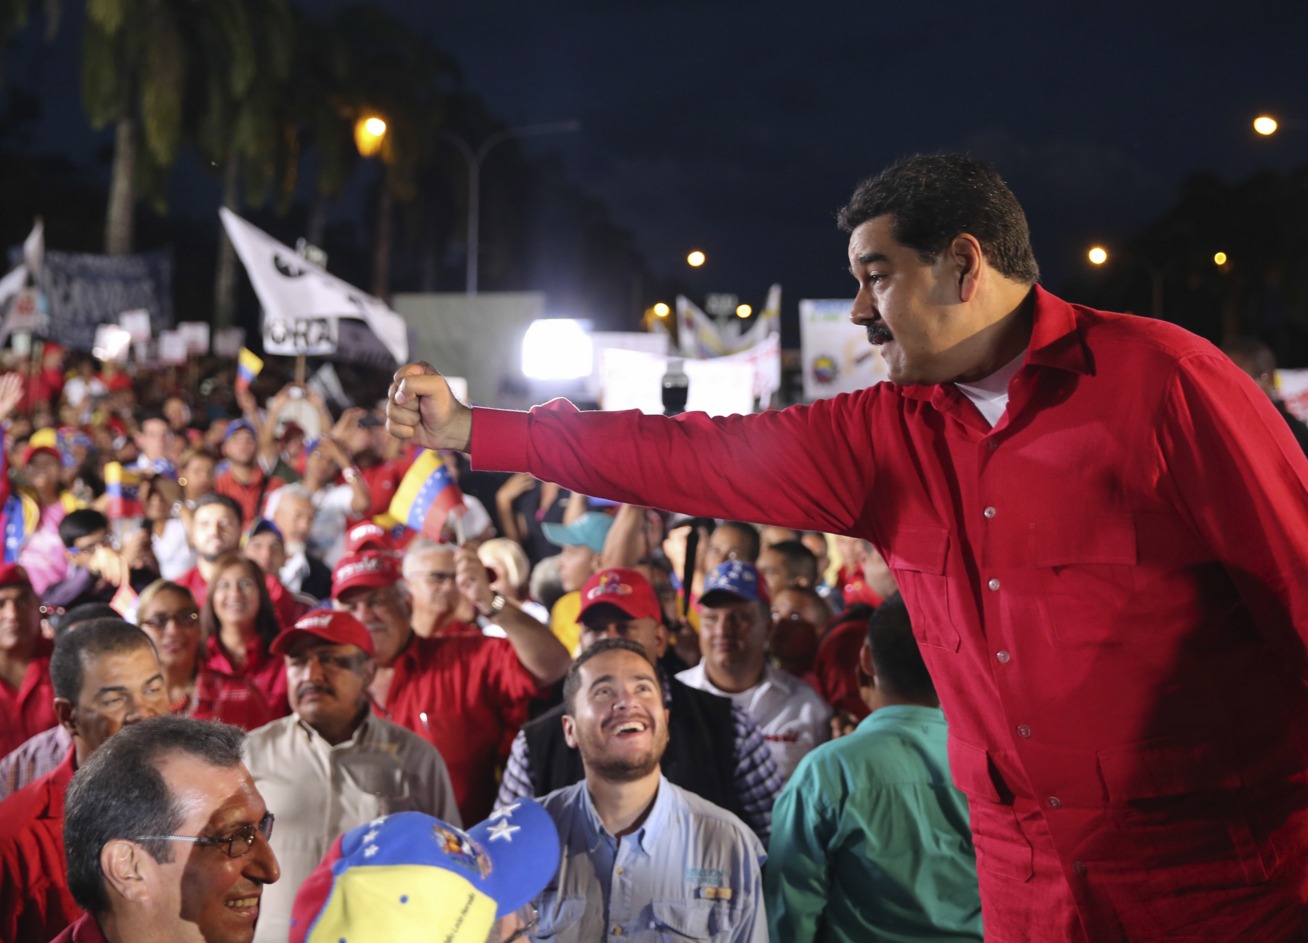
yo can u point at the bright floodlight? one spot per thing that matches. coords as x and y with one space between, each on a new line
661 310
695 259
557 349
1097 255
743 311
1265 125
1219 258
369 132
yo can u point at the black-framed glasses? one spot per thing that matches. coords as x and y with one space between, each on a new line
235 845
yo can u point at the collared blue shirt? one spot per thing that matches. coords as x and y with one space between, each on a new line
692 870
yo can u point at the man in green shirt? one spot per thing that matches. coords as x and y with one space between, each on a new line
870 839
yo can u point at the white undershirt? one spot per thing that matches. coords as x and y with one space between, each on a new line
990 394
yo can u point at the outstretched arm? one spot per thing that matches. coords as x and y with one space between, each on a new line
422 409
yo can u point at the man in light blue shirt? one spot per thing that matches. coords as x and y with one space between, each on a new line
870 839
642 858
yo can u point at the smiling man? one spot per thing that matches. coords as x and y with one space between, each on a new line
167 838
640 854
105 676
333 764
1063 495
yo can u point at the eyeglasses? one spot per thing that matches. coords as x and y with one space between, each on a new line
186 619
235 845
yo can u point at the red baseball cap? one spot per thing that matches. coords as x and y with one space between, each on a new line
34 450
367 536
11 574
623 588
370 569
339 628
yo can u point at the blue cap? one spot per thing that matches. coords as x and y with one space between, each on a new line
734 578
410 876
589 530
236 425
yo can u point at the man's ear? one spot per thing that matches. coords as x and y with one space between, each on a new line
66 714
967 258
570 731
865 665
124 865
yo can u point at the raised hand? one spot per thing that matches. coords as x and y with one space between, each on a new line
421 408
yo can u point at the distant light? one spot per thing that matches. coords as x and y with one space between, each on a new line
557 349
695 259
369 132
1219 258
661 310
1097 255
1265 125
743 311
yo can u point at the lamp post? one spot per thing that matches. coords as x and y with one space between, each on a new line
475 159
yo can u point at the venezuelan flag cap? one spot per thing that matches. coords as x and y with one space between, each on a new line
411 877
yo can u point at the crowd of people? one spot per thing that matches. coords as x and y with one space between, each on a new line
245 570
669 726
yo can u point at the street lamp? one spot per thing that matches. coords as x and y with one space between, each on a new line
475 159
1097 255
1265 125
695 259
369 133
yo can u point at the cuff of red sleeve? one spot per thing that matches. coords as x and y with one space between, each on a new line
499 440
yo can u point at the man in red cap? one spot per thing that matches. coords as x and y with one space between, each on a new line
716 750
333 764
466 694
26 696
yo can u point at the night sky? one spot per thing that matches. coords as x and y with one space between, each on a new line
739 128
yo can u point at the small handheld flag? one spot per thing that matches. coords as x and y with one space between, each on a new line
427 495
248 366
122 486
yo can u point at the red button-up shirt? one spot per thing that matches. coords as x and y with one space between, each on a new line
468 696
265 671
29 709
1110 588
35 903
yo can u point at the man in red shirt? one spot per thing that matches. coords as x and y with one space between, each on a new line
1099 525
26 698
467 694
105 675
244 479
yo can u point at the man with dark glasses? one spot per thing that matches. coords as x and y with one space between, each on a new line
166 837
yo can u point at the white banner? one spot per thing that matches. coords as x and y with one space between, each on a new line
289 337
836 354
701 336
292 289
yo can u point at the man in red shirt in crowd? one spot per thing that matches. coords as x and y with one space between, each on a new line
26 698
244 480
1099 525
467 694
105 675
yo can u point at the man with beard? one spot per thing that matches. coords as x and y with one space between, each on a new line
640 855
333 764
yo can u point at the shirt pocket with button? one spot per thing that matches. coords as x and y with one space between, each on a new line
1087 574
1002 848
917 556
694 919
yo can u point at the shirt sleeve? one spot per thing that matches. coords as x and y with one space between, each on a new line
516 782
798 467
797 881
1240 478
758 780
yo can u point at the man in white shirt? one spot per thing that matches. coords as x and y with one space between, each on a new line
735 619
332 764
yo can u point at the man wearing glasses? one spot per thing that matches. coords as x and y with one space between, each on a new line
333 764
105 676
167 838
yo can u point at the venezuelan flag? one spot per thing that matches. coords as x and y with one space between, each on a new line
426 495
248 366
122 485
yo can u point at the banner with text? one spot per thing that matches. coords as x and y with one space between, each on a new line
836 355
